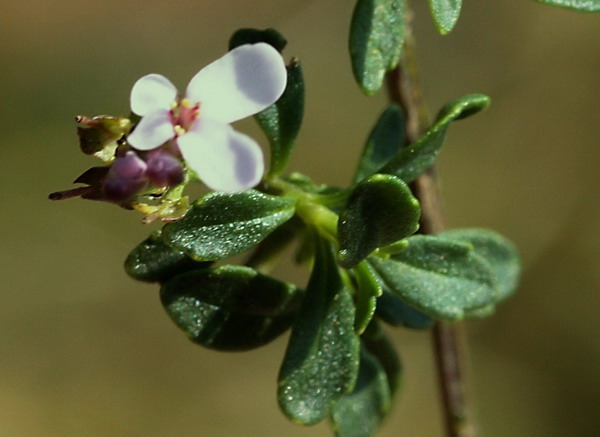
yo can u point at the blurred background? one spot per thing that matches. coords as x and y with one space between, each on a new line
86 351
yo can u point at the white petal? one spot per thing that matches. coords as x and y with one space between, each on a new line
224 159
153 130
152 92
243 82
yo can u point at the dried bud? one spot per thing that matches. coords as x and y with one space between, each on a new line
98 136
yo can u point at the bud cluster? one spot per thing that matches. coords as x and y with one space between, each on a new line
131 178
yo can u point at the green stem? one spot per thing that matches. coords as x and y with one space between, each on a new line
310 207
448 340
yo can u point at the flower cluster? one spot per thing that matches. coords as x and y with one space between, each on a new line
178 135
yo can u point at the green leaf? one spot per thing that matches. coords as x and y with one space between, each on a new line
445 279
230 307
380 346
376 39
394 311
154 261
253 36
322 357
266 254
385 140
220 225
499 252
420 155
380 211
359 413
368 289
281 121
445 14
578 5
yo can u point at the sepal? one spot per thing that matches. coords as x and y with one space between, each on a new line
99 136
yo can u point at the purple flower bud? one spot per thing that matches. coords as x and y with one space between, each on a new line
163 169
129 166
126 177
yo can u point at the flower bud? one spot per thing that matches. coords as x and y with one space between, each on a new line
164 170
125 178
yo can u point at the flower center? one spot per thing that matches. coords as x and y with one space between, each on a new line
184 115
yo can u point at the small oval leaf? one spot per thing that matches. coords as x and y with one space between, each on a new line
381 347
359 413
386 139
500 253
445 13
394 311
380 211
281 121
220 225
322 357
376 40
230 307
444 279
578 5
154 261
368 289
420 155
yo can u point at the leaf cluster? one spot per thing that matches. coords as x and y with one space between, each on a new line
368 265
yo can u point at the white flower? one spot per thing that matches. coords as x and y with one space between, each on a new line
245 81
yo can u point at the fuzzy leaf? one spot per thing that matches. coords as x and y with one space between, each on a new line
382 348
394 311
281 121
420 155
154 261
376 39
368 289
578 5
380 211
385 140
359 413
445 279
500 253
230 307
322 357
221 225
445 14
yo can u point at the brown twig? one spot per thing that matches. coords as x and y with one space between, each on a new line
448 339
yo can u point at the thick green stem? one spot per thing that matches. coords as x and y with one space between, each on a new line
448 339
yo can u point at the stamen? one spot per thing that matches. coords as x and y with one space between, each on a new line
179 130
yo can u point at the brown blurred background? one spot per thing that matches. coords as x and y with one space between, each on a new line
85 351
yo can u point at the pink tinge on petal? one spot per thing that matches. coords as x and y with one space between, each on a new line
224 159
152 131
151 93
243 82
